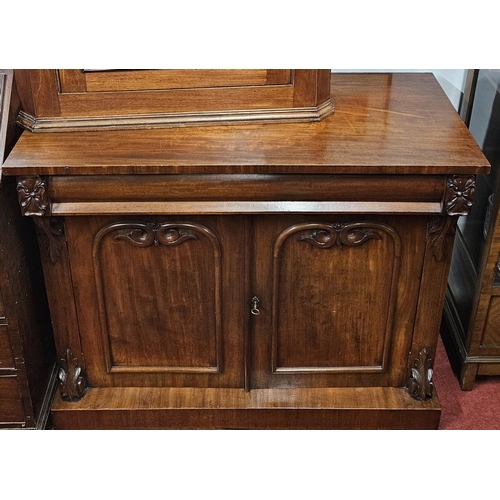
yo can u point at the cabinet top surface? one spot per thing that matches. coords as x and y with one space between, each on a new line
383 124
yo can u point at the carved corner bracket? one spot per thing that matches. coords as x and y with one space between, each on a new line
73 384
33 197
459 194
420 385
458 200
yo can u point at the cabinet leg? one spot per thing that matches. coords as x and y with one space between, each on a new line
468 376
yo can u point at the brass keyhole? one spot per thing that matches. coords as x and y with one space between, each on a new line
255 306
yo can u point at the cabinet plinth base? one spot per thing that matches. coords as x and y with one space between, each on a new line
194 408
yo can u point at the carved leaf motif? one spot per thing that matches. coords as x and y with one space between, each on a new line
322 238
339 234
145 235
72 382
32 195
420 385
167 235
357 236
439 227
53 236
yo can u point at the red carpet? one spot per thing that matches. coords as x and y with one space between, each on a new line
477 409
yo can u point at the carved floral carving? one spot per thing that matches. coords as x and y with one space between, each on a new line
459 195
420 384
32 195
72 382
145 235
339 234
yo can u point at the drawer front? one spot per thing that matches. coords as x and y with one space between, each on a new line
6 357
11 406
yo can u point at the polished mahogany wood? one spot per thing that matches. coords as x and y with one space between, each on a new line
174 408
384 124
337 312
245 187
257 276
165 310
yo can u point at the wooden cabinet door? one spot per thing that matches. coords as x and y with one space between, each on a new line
338 296
157 299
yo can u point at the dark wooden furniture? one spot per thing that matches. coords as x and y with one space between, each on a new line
75 99
254 276
473 297
27 355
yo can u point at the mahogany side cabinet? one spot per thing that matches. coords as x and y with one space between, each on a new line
27 356
253 276
472 307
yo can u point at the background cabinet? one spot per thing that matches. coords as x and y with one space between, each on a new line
473 298
27 355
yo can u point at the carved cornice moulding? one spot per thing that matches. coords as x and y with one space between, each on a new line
306 114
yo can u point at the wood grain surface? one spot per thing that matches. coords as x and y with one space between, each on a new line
173 408
383 124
